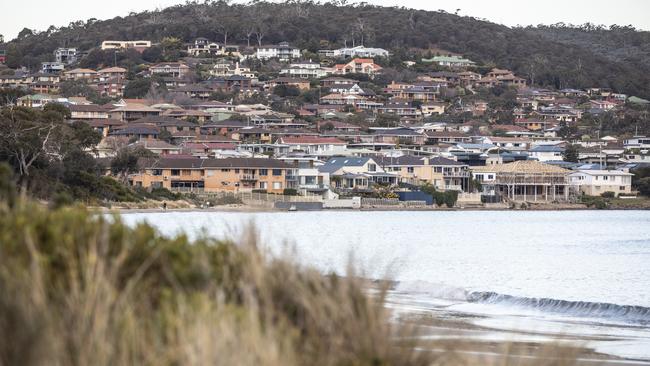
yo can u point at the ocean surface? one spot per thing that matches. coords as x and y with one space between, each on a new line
520 275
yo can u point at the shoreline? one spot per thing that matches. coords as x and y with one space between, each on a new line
480 344
256 209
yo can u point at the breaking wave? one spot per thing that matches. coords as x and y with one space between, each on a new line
627 313
573 308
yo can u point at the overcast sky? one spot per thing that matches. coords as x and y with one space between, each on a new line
40 14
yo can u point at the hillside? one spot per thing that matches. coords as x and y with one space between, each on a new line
549 56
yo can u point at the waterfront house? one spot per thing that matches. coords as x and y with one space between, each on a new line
355 173
415 170
525 180
214 175
597 182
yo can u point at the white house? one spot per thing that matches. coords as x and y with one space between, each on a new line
313 145
354 173
637 142
65 55
597 182
282 51
546 153
358 51
203 46
306 70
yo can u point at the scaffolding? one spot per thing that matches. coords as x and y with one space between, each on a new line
530 181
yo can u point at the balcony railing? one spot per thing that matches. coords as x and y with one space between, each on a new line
248 177
462 174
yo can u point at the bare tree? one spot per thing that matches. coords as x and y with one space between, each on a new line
260 31
25 141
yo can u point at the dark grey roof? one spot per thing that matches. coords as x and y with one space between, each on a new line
401 160
336 163
137 130
439 160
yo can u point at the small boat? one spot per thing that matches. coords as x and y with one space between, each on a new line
293 208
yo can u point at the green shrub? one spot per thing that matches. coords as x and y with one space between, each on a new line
61 199
608 194
447 198
290 192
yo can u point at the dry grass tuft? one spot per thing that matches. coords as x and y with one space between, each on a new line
81 289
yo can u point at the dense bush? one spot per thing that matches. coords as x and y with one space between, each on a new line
447 198
83 289
641 180
559 56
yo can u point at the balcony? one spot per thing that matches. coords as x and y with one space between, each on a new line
248 177
461 174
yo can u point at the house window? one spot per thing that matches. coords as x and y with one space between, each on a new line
156 172
210 173
176 172
264 172
605 178
277 185
372 167
236 171
225 170
410 169
156 184
277 172
263 185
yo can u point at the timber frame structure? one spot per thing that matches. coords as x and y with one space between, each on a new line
529 181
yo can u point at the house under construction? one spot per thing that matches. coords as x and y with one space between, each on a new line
525 180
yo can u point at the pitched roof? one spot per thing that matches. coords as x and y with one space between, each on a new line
439 160
135 108
111 70
522 167
336 163
87 108
196 163
547 148
311 140
400 160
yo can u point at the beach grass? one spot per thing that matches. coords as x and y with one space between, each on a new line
77 288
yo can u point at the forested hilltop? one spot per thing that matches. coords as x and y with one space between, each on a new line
559 56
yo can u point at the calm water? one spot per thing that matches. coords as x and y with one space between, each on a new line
579 273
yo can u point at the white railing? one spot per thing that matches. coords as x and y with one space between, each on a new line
259 197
